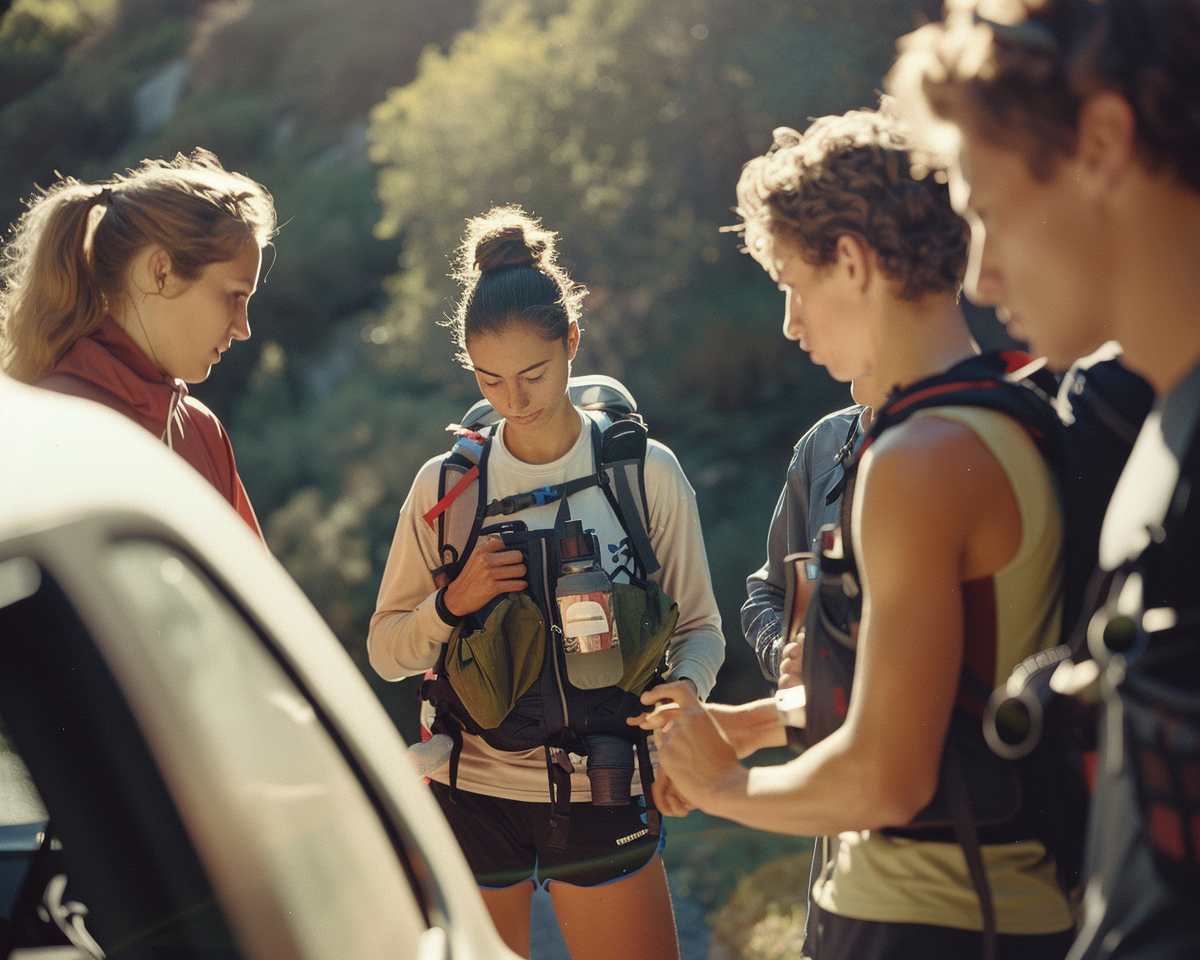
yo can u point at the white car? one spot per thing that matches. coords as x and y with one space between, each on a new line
191 765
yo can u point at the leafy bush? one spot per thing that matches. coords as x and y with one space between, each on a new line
35 36
764 917
75 121
623 124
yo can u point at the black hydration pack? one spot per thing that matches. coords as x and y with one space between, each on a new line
510 673
1148 637
1037 789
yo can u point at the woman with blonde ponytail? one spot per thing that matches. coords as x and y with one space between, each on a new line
125 291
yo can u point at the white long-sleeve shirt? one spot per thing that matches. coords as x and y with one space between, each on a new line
407 633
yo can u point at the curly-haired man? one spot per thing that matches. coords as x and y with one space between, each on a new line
956 532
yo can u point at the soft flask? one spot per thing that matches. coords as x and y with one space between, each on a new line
585 606
593 651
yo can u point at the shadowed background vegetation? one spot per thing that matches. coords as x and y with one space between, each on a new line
379 125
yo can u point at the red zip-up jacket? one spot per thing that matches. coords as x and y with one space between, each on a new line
108 367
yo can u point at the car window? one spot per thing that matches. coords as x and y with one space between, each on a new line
93 857
252 765
23 823
19 799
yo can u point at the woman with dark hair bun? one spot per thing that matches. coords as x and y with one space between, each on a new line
517 328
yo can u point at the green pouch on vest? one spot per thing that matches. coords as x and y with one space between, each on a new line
492 668
645 624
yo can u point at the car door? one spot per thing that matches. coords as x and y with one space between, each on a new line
197 803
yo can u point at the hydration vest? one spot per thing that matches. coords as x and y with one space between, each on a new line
1148 637
983 796
506 674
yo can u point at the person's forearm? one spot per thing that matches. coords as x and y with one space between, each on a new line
697 655
823 792
762 612
404 643
407 632
750 726
697 649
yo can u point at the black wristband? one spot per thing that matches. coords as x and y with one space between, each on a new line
795 739
439 604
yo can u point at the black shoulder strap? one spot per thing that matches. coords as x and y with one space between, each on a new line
619 453
958 799
843 458
1009 382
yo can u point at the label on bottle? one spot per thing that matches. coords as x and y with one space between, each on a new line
587 621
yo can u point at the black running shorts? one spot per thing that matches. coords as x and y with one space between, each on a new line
507 842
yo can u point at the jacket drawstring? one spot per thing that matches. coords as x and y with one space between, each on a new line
174 413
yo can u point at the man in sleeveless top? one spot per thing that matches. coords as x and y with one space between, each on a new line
957 536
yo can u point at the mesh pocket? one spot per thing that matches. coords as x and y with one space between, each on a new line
1161 697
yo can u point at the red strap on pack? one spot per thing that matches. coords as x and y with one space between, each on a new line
453 494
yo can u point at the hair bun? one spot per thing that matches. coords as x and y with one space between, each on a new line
507 248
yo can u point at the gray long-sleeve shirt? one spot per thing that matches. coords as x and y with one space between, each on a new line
816 468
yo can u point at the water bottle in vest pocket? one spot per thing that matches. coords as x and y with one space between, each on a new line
584 597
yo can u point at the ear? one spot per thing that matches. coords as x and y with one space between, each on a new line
1107 140
572 340
854 261
158 268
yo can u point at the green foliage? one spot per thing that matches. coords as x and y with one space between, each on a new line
764 917
623 124
327 264
709 858
545 115
321 61
81 116
34 38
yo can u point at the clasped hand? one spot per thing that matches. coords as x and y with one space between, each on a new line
693 756
490 570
